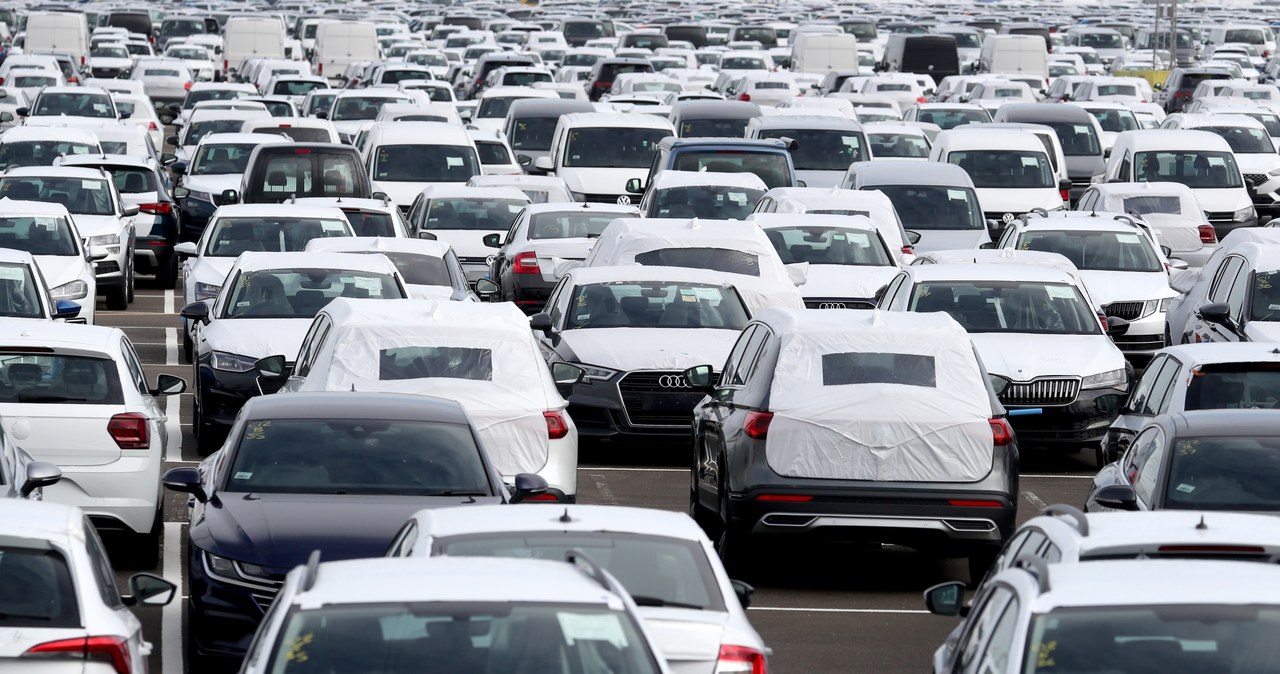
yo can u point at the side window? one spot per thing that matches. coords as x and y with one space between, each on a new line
982 624
891 292
1141 392
1009 553
995 657
1009 237
400 546
1123 171
136 373
455 270
731 365
515 224
1149 471
753 355
103 576
1052 554
1086 201
1226 274
1163 386
556 301
1139 452
1240 293
311 346
1035 539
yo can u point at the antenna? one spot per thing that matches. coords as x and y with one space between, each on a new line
1202 526
565 517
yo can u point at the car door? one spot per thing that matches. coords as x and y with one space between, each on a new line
709 420
986 620
152 408
1132 414
1146 477
1230 289
500 265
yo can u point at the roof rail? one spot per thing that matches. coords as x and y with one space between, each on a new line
1037 567
1126 218
579 559
1081 520
309 574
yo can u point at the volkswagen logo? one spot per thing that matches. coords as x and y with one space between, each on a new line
1007 218
489 261
832 305
672 381
624 200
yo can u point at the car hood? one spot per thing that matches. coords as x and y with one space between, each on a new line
1085 166
816 178
1022 357
629 349
425 292
467 242
487 123
257 337
948 239
592 180
215 183
1175 231
1262 331
93 225
213 270
1106 287
1223 200
402 193
60 269
279 531
1018 200
70 121
845 281
1257 163
109 62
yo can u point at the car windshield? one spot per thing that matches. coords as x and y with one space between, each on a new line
357 456
202 128
75 105
1005 169
495 107
533 133
945 207
1142 205
360 107
417 269
460 636
1266 296
657 570
1224 473
301 293
829 245
278 234
1195 169
212 95
823 149
319 103
59 378
612 147
1078 139
1218 386
569 224
1097 251
39 152
425 163
32 81
1115 119
39 592
492 153
435 362
1116 90
713 128
427 59
898 145
81 196
473 213
38 235
951 118
1009 306
771 167
374 223
19 295
1243 139
189 54
655 304
1101 41
221 158
705 201
133 180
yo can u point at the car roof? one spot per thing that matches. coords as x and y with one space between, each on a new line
669 178
497 518
1226 423
338 244
1143 189
1039 111
453 579
418 133
633 120
82 172
773 144
278 211
622 211
96 160
1158 582
443 191
641 273
45 133
1164 139
355 405
1102 532
910 172
989 272
769 221
1081 221
930 327
432 317
256 261
1212 353
21 332
805 121
972 137
12 256
230 138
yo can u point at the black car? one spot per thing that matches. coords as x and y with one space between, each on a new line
713 119
337 472
277 172
1199 460
600 81
1182 82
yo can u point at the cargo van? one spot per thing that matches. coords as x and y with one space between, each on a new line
820 53
933 55
58 32
342 43
1014 54
248 36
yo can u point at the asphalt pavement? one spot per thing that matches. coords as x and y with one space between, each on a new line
823 610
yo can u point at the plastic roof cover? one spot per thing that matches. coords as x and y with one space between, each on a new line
625 238
885 432
506 410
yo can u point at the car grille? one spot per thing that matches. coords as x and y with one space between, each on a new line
1058 391
109 73
1082 182
1221 216
999 216
661 398
1129 311
1257 178
839 303
601 198
1139 342
107 267
473 260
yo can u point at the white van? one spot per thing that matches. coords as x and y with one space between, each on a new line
341 43
820 53
1010 169
1256 34
1201 160
596 153
1014 54
246 37
403 158
58 32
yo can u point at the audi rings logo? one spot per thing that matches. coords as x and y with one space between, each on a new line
673 381
832 305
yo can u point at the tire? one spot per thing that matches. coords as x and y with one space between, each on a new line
980 561
167 275
188 347
206 442
118 297
143 552
705 518
129 280
732 544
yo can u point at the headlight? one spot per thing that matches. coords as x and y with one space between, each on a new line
206 291
1243 214
70 291
230 362
219 566
1274 172
594 372
110 241
233 570
1164 304
1104 380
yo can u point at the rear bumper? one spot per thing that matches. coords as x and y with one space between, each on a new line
125 491
527 291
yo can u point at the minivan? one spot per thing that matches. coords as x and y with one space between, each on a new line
1078 133
1010 169
277 172
1014 54
341 43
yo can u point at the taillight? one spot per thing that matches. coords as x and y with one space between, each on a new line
226 64
1 80
130 431
186 86
744 97
1001 432
784 498
544 497
1102 321
526 263
82 61
757 424
161 208
974 503
908 249
111 650
734 659
72 80
319 68
1065 194
1208 234
152 126
921 99
557 427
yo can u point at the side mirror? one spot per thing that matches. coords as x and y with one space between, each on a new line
172 140
1108 404
635 186
175 108
700 378
1218 313
492 240
566 375
1178 263
1116 497
230 197
22 112
541 322
39 474
424 234
1064 185
879 296
179 168
166 119
169 385
988 245
185 480
486 289
524 160
1166 250
98 253
1106 153
6 116
148 589
743 591
913 237
196 311
271 367
65 309
186 248
130 211
945 599
180 192
1116 326
544 165
322 114
121 114
527 485
381 196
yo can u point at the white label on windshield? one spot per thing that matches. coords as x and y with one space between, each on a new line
858 239
1082 128
332 226
957 195
737 197
592 627
707 293
373 285
1061 292
91 184
1030 161
1217 161
453 162
12 274
849 140
1127 238
244 475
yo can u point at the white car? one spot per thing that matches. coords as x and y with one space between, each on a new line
848 260
539 189
197 59
1253 149
48 234
40 145
30 81
463 217
352 108
63 610
870 203
165 81
23 291
1010 169
72 106
480 355
239 228
137 109
217 164
663 559
430 268
109 60
212 119
76 396
1171 209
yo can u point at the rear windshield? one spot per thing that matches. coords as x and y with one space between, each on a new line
130 180
473 213
221 159
533 133
299 134
714 259
705 201
1152 204
295 87
771 167
421 270
1195 169
649 304
282 175
39 152
38 589
371 223
949 119
1078 139
74 105
1005 168
829 245
232 236
425 163
435 362
56 378
713 128
902 145
569 225
1224 473
1098 251
842 369
1266 296
1234 386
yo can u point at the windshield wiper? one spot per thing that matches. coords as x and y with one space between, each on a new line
642 600
24 616
48 398
457 493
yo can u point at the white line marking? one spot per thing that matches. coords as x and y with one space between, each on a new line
171 346
171 650
168 301
1065 477
636 470
172 410
790 609
1035 501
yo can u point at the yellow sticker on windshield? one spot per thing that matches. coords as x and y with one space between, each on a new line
1044 659
1187 447
297 652
257 430
1264 282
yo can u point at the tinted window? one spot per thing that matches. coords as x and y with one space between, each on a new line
713 128
283 175
38 153
949 119
298 134
1077 139
232 236
129 180
898 145
295 87
425 163
1244 140
422 270
38 591
1266 296
655 304
705 201
57 378
360 107
841 369
612 147
928 207
770 167
533 133
821 149
1204 170
999 306
19 295
221 159
829 245
1101 251
1005 169
574 224
714 259
1144 205
74 105
371 223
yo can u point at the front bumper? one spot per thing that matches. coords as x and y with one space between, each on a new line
109 272
1066 426
612 408
1223 226
224 615
1143 336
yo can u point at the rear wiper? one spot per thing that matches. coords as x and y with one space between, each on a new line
642 600
48 398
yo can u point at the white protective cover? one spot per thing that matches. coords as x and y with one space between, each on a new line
625 238
506 411
882 432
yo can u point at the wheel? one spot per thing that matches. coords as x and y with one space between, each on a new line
206 440
118 297
705 518
144 549
129 279
167 275
980 561
188 347
732 544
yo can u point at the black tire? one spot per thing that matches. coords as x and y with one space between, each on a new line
206 440
143 552
167 274
129 279
980 561
705 518
117 298
188 347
